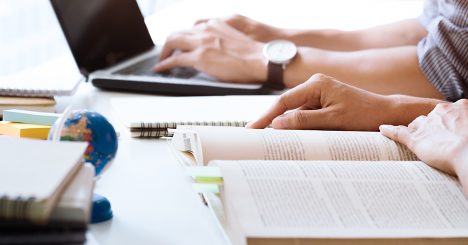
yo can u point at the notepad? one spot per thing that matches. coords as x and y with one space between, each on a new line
24 130
32 117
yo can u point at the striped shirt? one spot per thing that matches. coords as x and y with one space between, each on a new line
443 53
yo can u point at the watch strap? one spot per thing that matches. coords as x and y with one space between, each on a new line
275 76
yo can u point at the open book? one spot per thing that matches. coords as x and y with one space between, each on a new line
341 202
230 143
153 116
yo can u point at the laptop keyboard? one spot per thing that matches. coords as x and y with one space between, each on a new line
145 68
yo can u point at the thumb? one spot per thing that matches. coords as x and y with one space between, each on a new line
303 119
397 133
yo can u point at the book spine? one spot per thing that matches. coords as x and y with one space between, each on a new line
15 209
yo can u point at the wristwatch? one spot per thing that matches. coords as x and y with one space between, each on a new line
278 53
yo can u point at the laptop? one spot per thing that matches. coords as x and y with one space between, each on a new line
114 50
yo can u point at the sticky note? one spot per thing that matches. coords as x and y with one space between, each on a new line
206 188
24 130
32 117
205 174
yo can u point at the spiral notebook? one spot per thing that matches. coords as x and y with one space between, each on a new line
57 77
150 116
33 175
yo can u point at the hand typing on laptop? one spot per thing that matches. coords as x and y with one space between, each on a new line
217 49
387 59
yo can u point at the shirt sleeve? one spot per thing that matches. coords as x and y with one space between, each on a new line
443 53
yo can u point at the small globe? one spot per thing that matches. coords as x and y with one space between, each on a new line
92 127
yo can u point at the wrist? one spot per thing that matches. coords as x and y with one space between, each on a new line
404 109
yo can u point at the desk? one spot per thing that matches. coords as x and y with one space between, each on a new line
152 199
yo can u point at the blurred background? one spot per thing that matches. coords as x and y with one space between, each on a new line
30 34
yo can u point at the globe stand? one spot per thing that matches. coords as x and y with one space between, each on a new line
91 127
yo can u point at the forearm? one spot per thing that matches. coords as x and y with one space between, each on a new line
383 71
401 33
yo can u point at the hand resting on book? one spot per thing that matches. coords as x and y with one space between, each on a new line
323 102
440 139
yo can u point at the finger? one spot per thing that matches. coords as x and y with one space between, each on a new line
418 122
234 20
222 28
201 21
397 133
309 92
183 59
179 41
304 119
291 99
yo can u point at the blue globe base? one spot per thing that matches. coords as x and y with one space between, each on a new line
101 209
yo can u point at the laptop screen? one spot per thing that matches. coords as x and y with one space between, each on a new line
102 33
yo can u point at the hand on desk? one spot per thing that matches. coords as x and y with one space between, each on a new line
217 49
440 139
323 102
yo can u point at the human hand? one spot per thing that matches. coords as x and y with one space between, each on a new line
323 102
440 139
252 28
216 49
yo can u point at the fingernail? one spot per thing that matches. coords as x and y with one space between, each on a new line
384 127
280 122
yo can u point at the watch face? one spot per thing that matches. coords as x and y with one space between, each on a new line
280 51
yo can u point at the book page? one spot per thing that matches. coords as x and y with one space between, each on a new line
343 199
229 143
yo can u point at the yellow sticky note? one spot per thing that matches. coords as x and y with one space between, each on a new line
24 130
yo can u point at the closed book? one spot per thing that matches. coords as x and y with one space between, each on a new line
34 175
69 220
74 205
43 104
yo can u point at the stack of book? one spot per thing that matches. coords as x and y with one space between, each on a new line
45 192
321 187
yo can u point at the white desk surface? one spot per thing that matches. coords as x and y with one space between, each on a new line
152 199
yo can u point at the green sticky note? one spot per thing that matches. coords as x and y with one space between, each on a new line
206 174
206 188
31 117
